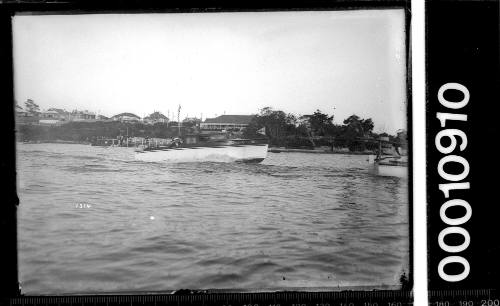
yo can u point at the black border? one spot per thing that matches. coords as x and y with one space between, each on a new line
8 227
463 46
8 218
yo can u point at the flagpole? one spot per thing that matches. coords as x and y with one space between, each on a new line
178 120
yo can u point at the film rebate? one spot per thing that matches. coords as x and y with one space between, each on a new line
462 57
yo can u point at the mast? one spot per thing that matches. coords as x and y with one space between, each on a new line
178 120
379 149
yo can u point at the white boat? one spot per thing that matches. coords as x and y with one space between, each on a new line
395 166
191 149
390 160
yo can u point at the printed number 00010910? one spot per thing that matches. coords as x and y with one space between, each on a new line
456 182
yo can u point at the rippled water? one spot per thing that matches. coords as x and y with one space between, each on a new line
295 220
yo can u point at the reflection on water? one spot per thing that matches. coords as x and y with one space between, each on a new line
94 219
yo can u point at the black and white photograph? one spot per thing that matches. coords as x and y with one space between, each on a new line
231 151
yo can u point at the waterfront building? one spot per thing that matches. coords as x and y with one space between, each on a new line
57 113
126 117
226 122
193 121
49 117
155 117
54 116
85 115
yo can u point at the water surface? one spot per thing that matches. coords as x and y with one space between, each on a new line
92 219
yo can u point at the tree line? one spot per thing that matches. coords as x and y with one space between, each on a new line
318 129
282 129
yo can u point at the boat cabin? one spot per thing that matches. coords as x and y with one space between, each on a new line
203 138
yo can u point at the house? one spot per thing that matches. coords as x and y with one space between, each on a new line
126 117
62 114
191 121
226 122
85 115
155 117
52 116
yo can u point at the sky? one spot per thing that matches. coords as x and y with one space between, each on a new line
340 62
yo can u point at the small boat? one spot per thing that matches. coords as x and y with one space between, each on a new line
202 148
396 166
390 160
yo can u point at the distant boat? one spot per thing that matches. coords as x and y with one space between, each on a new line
396 166
201 148
393 164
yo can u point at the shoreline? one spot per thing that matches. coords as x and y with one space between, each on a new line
286 150
55 141
270 149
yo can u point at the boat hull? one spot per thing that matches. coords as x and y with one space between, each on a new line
395 167
251 153
391 170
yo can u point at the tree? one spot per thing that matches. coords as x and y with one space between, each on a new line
278 125
32 107
320 123
356 128
367 126
360 127
352 120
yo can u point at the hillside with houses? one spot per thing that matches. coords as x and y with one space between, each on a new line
308 131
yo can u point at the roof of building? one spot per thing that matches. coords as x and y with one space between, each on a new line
58 110
156 115
235 119
126 114
82 112
188 119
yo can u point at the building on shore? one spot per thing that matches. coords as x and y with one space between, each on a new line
226 122
54 116
51 117
155 117
84 115
126 117
192 121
